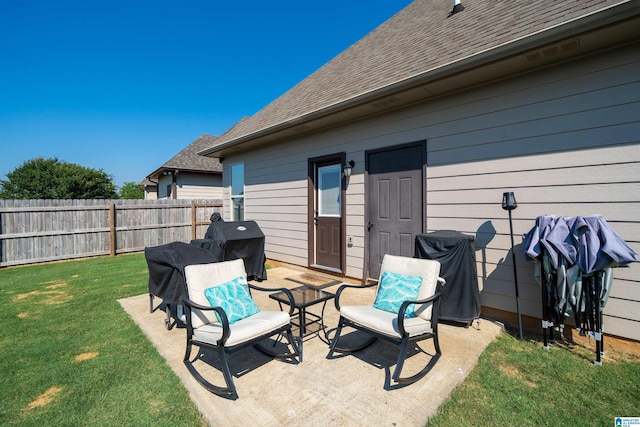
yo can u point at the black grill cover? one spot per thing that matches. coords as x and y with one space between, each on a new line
166 268
236 239
456 252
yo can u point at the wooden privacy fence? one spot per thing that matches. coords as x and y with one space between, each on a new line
34 231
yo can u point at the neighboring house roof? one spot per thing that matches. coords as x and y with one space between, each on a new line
145 183
189 160
407 58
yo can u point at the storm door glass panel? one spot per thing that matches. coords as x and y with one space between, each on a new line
329 203
237 192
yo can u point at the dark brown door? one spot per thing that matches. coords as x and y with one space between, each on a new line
395 202
327 214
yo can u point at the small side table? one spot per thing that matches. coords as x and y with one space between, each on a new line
304 297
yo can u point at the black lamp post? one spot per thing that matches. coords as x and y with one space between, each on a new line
508 204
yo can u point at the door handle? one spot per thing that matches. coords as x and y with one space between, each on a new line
370 226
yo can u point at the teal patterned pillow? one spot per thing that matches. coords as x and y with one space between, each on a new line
234 298
396 288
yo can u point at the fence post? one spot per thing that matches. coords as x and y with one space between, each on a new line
112 228
193 220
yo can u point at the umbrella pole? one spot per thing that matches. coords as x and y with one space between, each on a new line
597 318
545 315
515 277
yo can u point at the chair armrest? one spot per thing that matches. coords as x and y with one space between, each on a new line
347 285
224 320
286 291
435 299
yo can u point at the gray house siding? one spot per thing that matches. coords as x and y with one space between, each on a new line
193 185
567 142
190 185
565 139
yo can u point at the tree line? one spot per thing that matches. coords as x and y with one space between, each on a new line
51 178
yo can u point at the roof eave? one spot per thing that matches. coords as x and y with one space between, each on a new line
156 173
621 12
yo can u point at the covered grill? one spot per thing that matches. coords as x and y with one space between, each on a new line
166 272
456 253
236 239
223 241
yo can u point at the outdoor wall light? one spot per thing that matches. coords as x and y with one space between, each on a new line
508 204
349 167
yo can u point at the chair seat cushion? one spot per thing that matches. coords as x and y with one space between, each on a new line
234 298
243 330
382 321
396 288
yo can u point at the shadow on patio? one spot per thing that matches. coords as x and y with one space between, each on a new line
346 390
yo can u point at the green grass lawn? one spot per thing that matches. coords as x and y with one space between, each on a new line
70 355
516 383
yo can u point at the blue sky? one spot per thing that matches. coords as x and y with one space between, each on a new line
122 86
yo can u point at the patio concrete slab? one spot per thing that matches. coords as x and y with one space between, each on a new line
346 390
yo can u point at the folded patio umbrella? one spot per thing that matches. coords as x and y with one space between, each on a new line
588 241
599 246
574 258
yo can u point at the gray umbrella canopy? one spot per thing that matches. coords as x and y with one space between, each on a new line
587 241
574 259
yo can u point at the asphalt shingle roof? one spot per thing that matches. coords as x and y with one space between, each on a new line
418 39
188 158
